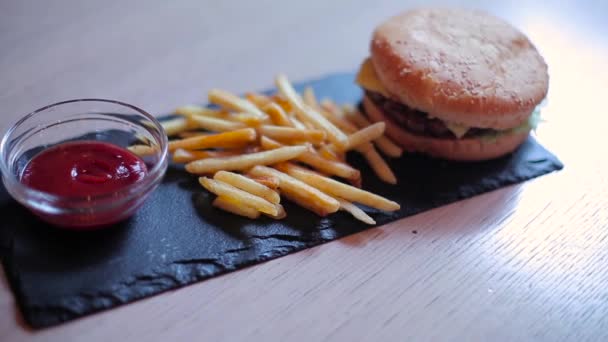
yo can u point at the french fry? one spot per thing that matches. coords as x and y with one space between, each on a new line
334 114
359 140
174 126
225 204
292 134
329 153
355 211
299 192
248 119
335 188
244 162
143 150
277 115
237 138
249 185
213 124
383 143
181 156
267 143
238 196
305 113
280 215
232 102
299 124
363 136
190 134
309 98
269 181
259 100
379 165
283 102
330 167
200 111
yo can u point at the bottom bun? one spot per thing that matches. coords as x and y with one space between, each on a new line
470 149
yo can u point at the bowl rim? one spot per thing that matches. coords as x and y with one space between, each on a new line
68 204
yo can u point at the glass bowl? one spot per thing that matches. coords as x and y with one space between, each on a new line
83 120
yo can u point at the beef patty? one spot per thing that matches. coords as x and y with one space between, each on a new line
417 122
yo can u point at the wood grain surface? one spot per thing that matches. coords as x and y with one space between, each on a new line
528 262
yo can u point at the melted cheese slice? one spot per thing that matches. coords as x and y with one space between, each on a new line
367 78
458 129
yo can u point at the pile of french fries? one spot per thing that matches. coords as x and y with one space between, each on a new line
251 151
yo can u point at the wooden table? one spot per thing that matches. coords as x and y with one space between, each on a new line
528 262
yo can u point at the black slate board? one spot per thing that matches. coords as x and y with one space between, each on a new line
177 238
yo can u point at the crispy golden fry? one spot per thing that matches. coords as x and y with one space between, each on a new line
184 156
277 115
310 99
248 119
174 126
238 196
313 159
213 124
143 150
237 138
181 156
280 215
299 124
355 211
269 144
334 114
226 204
190 134
331 167
383 143
299 192
269 181
283 102
249 185
328 153
335 188
200 111
232 102
257 99
364 136
305 113
246 161
379 165
357 137
291 134
360 140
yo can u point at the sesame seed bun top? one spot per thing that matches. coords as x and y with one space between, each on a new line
462 66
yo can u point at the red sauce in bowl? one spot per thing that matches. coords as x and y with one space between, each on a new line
85 169
77 169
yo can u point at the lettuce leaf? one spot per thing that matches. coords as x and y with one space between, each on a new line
529 125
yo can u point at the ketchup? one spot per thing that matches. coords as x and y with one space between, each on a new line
84 169
78 169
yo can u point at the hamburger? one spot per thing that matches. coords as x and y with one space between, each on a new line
453 84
